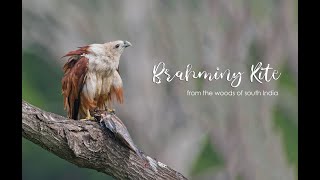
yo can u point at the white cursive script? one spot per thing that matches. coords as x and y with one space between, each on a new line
259 73
158 70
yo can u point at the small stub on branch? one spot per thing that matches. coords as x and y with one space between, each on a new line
111 122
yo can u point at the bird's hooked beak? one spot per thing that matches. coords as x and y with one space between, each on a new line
126 44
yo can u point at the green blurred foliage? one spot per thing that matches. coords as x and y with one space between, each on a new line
287 80
289 132
285 121
41 80
208 158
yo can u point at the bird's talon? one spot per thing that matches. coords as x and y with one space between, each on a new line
111 111
88 119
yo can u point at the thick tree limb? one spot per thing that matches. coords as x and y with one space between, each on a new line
88 145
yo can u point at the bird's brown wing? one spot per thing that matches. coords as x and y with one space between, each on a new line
78 52
75 71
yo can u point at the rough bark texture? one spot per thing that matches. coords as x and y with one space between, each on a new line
88 145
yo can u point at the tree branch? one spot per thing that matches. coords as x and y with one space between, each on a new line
88 145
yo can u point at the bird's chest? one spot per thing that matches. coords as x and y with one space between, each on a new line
99 77
102 65
97 84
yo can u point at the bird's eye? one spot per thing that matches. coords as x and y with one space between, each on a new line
117 45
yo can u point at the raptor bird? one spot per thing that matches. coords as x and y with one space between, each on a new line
91 79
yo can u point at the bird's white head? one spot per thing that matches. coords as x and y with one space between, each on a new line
112 49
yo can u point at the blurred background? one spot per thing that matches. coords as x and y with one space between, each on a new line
225 138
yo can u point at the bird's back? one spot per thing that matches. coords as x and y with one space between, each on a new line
75 71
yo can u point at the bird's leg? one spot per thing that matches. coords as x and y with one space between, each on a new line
89 117
109 108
